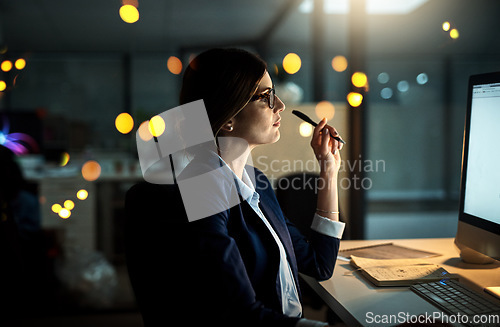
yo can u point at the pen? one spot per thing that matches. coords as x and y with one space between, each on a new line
305 118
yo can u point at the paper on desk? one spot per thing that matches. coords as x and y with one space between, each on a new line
399 272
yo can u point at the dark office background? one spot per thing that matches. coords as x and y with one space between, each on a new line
85 66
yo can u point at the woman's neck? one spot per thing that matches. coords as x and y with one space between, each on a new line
235 153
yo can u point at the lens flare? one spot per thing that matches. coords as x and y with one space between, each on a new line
3 86
6 65
129 14
20 63
359 79
174 65
56 207
325 109
355 99
339 63
82 194
124 123
305 129
454 34
292 63
144 132
64 213
91 170
156 126
64 159
446 26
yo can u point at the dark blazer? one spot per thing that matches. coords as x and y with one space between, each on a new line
221 270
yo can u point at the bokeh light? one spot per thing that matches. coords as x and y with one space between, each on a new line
359 79
339 63
64 213
20 63
6 65
325 109
446 26
124 123
403 86
355 99
64 159
129 14
156 126
174 65
3 86
144 132
292 63
56 207
82 194
305 129
386 93
422 78
383 78
68 204
454 34
91 170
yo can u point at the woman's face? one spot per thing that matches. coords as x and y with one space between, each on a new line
257 123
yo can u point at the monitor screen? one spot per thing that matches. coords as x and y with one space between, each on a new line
478 231
482 185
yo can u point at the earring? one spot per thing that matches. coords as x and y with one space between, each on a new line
230 128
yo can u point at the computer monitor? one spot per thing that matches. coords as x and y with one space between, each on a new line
478 234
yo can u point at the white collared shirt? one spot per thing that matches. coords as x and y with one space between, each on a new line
290 301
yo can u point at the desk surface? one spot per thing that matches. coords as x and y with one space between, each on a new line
356 301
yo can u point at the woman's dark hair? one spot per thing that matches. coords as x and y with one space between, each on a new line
225 79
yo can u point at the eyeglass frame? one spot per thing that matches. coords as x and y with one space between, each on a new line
266 95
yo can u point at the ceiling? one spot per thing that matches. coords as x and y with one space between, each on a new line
95 26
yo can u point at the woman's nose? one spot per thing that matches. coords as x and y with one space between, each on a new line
279 106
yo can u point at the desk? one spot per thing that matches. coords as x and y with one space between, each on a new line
352 297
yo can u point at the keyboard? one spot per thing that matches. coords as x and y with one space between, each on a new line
457 300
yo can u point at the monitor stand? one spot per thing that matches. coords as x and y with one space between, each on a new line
469 255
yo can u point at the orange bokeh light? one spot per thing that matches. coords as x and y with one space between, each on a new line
91 170
174 65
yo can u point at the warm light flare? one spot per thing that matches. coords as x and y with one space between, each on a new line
82 194
292 63
339 63
454 34
129 14
56 207
305 129
6 65
144 132
325 109
124 123
355 99
64 159
359 79
68 204
64 213
3 86
91 170
156 126
446 26
20 63
174 65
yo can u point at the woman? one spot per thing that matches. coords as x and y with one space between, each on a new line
239 265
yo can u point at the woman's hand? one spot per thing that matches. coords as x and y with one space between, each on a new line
326 148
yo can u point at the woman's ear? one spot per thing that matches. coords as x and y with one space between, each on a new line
228 127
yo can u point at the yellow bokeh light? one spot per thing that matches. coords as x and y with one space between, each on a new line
124 123
355 99
292 63
446 26
174 65
325 109
129 14
20 63
64 159
68 204
305 129
56 207
156 126
82 194
144 132
6 65
454 34
91 170
3 86
339 63
64 213
359 79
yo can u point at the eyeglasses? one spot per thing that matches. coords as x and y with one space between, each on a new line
270 96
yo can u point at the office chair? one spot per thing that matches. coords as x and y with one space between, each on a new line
155 231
